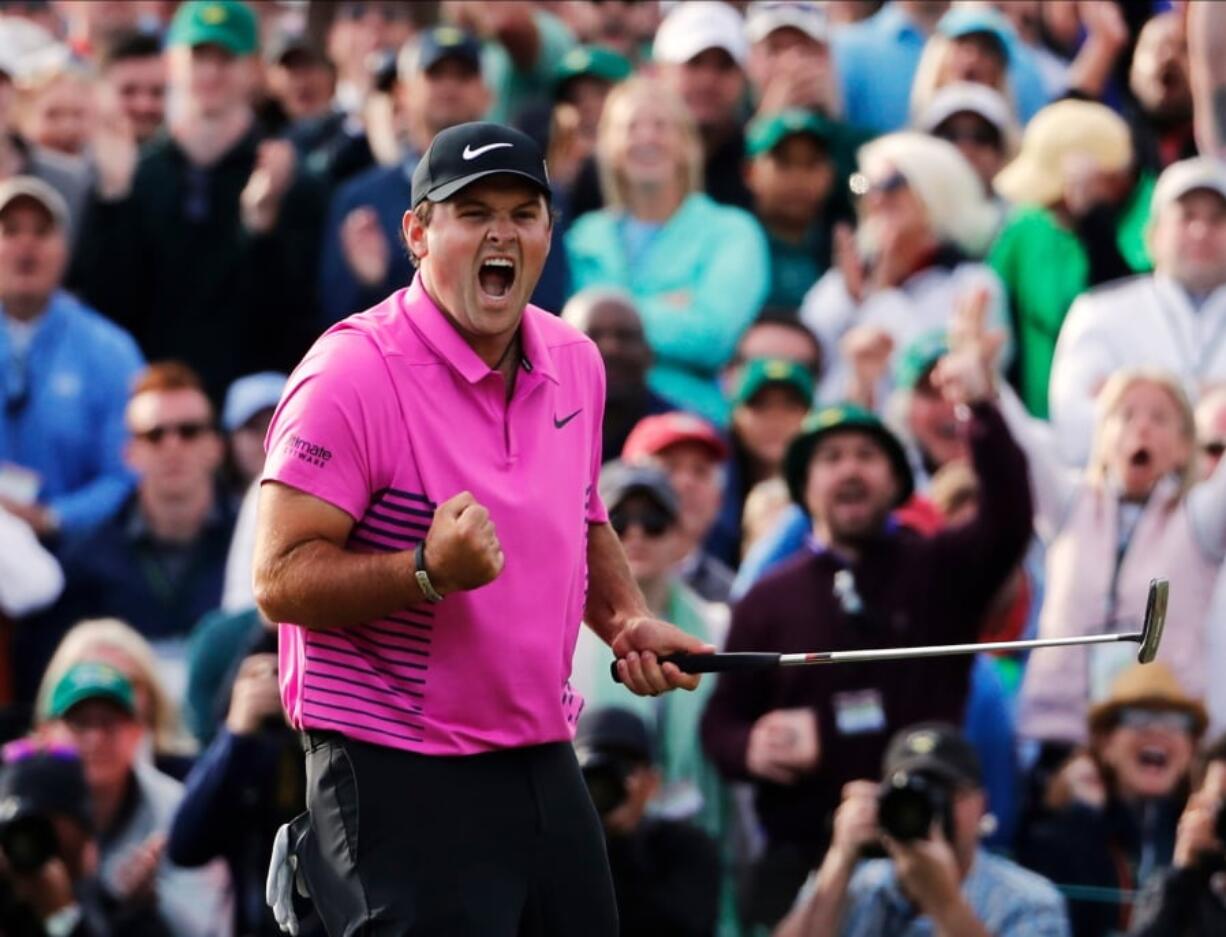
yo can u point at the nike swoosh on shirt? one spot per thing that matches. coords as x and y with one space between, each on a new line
558 424
470 153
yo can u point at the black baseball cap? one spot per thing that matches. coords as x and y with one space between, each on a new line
461 155
613 729
42 782
935 748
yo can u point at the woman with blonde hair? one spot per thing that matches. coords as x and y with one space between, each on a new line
924 221
698 270
55 108
1137 513
114 642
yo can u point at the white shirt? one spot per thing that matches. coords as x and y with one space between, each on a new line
925 303
1147 321
30 578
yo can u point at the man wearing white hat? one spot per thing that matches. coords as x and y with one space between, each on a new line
701 52
789 57
1174 319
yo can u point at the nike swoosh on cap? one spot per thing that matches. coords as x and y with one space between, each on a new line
558 424
470 153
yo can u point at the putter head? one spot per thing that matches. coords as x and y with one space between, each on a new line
1155 618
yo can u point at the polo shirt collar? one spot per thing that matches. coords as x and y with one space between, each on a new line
447 342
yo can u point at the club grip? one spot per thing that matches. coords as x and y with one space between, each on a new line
712 663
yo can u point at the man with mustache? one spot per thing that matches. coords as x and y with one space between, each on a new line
800 735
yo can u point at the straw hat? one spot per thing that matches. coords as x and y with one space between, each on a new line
1060 130
1153 686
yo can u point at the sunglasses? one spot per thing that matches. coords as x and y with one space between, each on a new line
186 431
1133 717
980 136
652 523
1214 449
861 185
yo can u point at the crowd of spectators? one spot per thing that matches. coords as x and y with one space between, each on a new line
913 317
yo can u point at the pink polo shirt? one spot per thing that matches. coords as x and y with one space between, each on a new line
390 414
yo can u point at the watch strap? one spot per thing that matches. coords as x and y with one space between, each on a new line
422 576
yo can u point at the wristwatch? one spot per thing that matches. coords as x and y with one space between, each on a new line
423 577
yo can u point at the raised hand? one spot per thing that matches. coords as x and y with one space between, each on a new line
269 181
968 373
867 349
364 246
462 549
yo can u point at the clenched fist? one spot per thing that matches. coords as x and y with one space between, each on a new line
462 549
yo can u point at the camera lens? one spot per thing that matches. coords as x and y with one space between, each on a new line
29 842
908 804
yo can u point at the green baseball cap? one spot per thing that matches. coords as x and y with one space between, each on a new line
92 680
767 132
918 358
226 23
843 418
593 61
757 373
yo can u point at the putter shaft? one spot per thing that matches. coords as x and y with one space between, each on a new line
943 650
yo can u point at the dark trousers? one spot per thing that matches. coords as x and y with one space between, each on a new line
501 844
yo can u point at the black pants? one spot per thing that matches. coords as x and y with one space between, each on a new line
502 844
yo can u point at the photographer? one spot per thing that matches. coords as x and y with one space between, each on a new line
665 872
49 857
248 782
928 812
1189 899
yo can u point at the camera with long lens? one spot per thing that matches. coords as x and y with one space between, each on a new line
29 841
909 803
605 775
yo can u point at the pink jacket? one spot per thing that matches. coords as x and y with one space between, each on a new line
1080 564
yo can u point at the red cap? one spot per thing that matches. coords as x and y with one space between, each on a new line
653 434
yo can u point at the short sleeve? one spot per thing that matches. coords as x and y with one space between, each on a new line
322 436
596 511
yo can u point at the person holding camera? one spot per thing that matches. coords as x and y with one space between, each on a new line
49 885
928 812
249 781
1189 899
666 873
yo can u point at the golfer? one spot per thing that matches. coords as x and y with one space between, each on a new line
430 538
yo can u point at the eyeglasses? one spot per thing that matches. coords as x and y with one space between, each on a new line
861 185
1135 717
1214 448
186 431
652 523
979 135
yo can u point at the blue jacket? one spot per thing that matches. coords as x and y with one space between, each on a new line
388 191
876 61
697 287
68 425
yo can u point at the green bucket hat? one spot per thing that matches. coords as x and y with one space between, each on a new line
918 358
594 62
226 23
92 680
842 418
767 132
757 373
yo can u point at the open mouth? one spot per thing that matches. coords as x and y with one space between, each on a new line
851 494
1153 758
496 276
1140 459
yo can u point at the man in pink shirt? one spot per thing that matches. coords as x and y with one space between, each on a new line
430 538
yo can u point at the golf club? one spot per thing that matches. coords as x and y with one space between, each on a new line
1148 637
